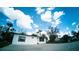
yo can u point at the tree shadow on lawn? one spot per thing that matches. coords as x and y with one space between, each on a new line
4 43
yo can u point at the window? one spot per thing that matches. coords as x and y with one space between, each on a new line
33 37
21 38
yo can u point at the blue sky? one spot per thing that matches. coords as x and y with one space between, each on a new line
69 16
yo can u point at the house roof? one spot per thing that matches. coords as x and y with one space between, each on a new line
26 34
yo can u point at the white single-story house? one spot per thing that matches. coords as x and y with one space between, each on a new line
27 39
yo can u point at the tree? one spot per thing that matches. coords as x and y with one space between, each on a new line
43 37
12 30
78 35
8 35
9 24
74 33
65 38
53 34
75 36
1 38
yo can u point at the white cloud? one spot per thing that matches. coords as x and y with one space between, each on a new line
22 20
56 18
53 18
36 26
58 14
56 22
67 31
77 28
9 12
47 16
40 10
8 20
51 8
73 23
60 34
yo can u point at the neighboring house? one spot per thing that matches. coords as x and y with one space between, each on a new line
27 39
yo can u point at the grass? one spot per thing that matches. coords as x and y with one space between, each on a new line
73 46
4 43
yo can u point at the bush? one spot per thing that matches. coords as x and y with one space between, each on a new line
65 39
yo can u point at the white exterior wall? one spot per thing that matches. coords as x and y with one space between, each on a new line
28 40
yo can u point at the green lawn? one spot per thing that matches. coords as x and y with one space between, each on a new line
3 44
73 46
